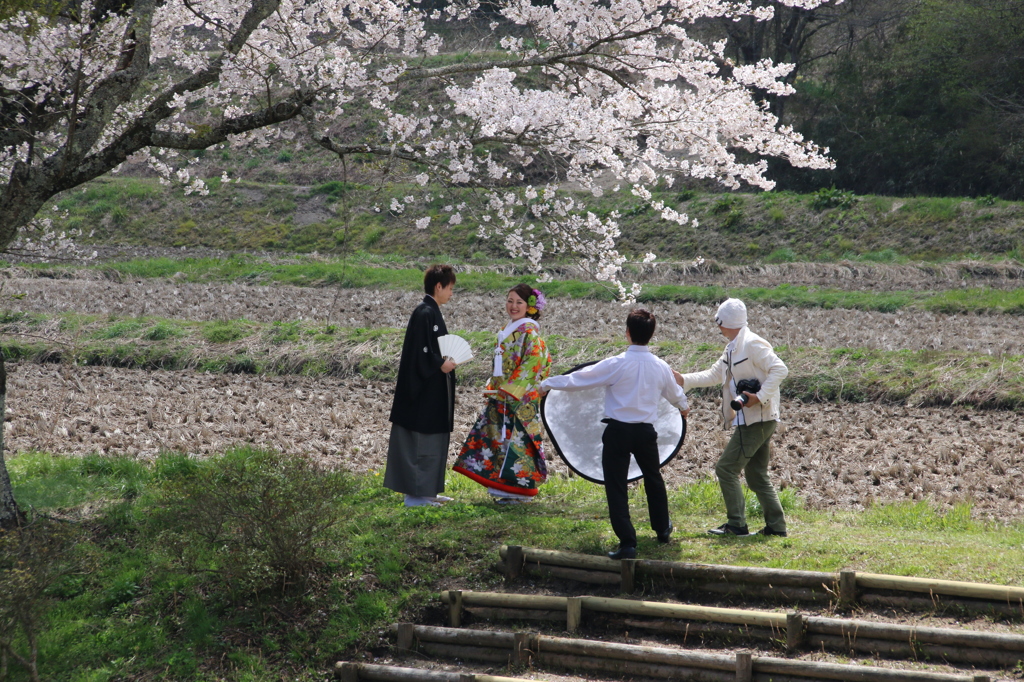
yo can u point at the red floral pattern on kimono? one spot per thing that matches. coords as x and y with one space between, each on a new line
503 449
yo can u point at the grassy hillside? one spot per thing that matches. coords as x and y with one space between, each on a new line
336 217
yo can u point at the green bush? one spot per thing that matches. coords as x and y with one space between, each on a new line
34 559
725 204
783 255
335 188
830 197
732 219
373 236
120 215
883 256
255 518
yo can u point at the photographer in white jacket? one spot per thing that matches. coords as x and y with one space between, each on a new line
747 356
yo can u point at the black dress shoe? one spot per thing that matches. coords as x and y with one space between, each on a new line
664 535
623 553
768 530
726 529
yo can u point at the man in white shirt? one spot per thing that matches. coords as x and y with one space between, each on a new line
747 356
635 382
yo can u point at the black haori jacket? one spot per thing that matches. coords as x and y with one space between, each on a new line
424 395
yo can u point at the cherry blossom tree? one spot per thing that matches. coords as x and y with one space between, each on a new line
618 89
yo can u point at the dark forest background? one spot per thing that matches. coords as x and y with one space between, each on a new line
913 97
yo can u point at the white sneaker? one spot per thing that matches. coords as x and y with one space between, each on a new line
441 499
413 501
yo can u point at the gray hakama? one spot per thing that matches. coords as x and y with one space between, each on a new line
417 462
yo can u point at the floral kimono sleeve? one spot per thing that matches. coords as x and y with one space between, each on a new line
526 364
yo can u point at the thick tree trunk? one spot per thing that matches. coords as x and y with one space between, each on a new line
10 515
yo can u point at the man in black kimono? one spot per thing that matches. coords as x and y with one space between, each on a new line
423 412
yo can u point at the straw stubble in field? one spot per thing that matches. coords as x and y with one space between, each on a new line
574 318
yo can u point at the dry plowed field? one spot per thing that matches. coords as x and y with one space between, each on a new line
834 455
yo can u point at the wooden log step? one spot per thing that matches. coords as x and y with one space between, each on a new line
939 602
852 629
622 606
471 653
577 574
954 588
632 669
635 652
853 673
496 613
486 638
654 609
776 577
788 595
717 631
957 643
664 662
371 672
555 558
888 648
506 600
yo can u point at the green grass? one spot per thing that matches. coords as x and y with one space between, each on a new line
226 331
921 516
59 482
163 330
139 607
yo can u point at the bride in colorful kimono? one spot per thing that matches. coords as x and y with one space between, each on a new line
503 449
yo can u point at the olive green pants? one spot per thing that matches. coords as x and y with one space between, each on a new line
748 451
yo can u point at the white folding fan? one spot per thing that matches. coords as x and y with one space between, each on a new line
455 347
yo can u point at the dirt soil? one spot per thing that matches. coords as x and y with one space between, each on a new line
838 456
576 318
835 455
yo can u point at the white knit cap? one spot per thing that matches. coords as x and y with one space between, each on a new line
732 314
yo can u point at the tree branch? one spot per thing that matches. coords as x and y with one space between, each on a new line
159 108
284 110
525 62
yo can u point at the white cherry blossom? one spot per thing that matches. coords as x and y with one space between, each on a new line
605 92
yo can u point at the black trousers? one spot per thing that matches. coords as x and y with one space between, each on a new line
641 440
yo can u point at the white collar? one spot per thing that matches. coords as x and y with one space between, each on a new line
513 325
509 329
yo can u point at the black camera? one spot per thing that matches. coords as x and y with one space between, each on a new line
748 385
